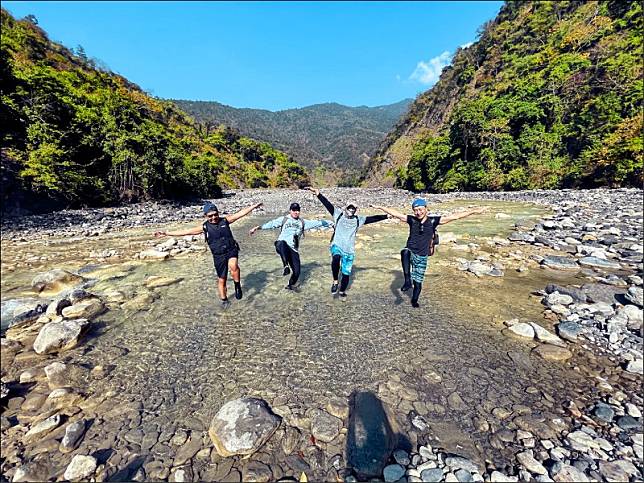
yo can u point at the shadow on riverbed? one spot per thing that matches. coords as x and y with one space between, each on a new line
372 435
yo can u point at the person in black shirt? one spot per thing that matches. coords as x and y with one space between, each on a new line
224 248
420 243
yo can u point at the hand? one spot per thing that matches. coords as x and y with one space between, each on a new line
160 233
314 190
253 230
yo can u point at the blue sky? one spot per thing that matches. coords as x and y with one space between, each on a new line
268 55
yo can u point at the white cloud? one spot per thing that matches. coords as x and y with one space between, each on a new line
429 72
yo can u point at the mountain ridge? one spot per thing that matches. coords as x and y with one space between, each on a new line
330 139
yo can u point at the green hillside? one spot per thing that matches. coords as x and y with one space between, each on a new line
330 139
75 134
550 96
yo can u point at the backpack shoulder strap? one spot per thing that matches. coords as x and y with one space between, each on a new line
335 227
205 230
283 223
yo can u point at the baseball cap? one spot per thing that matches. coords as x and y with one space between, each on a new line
295 207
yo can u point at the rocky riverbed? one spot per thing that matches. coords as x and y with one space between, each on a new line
524 361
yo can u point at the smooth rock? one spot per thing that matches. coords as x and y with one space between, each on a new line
544 335
635 295
432 475
526 458
43 427
73 434
81 467
85 309
324 426
522 330
636 366
55 281
594 261
568 473
552 353
604 412
156 281
242 426
560 263
618 471
255 471
393 472
569 330
59 336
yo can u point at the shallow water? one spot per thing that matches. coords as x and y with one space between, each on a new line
185 357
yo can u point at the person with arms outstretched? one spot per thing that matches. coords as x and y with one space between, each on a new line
222 244
342 248
292 228
420 243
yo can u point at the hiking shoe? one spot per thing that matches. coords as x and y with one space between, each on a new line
238 291
342 294
334 288
415 304
286 271
406 286
289 287
225 303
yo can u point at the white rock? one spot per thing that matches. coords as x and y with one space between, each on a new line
522 329
636 367
543 335
81 467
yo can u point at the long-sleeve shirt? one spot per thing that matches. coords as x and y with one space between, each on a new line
293 229
346 227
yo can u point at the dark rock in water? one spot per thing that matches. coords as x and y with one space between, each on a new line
604 412
629 422
370 439
577 294
560 263
599 292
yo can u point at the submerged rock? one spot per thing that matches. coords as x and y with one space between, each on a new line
55 281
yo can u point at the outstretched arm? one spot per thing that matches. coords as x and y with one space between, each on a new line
191 231
241 213
269 225
463 214
374 218
392 212
327 204
312 224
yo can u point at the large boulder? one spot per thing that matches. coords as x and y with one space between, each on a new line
21 311
242 426
55 281
59 336
80 468
560 263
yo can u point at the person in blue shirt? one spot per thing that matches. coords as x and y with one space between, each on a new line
342 248
287 245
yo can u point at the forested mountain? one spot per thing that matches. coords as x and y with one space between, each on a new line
331 138
74 134
550 96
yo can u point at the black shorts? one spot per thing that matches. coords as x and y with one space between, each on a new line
221 262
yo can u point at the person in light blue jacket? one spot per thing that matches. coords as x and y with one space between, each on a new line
343 242
287 245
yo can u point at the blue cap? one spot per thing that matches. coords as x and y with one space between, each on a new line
208 207
419 202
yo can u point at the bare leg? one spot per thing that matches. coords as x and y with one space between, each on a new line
221 285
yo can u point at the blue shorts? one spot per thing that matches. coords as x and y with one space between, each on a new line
346 263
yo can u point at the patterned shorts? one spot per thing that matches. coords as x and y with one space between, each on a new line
346 263
418 267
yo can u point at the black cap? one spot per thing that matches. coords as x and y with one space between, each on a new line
295 207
